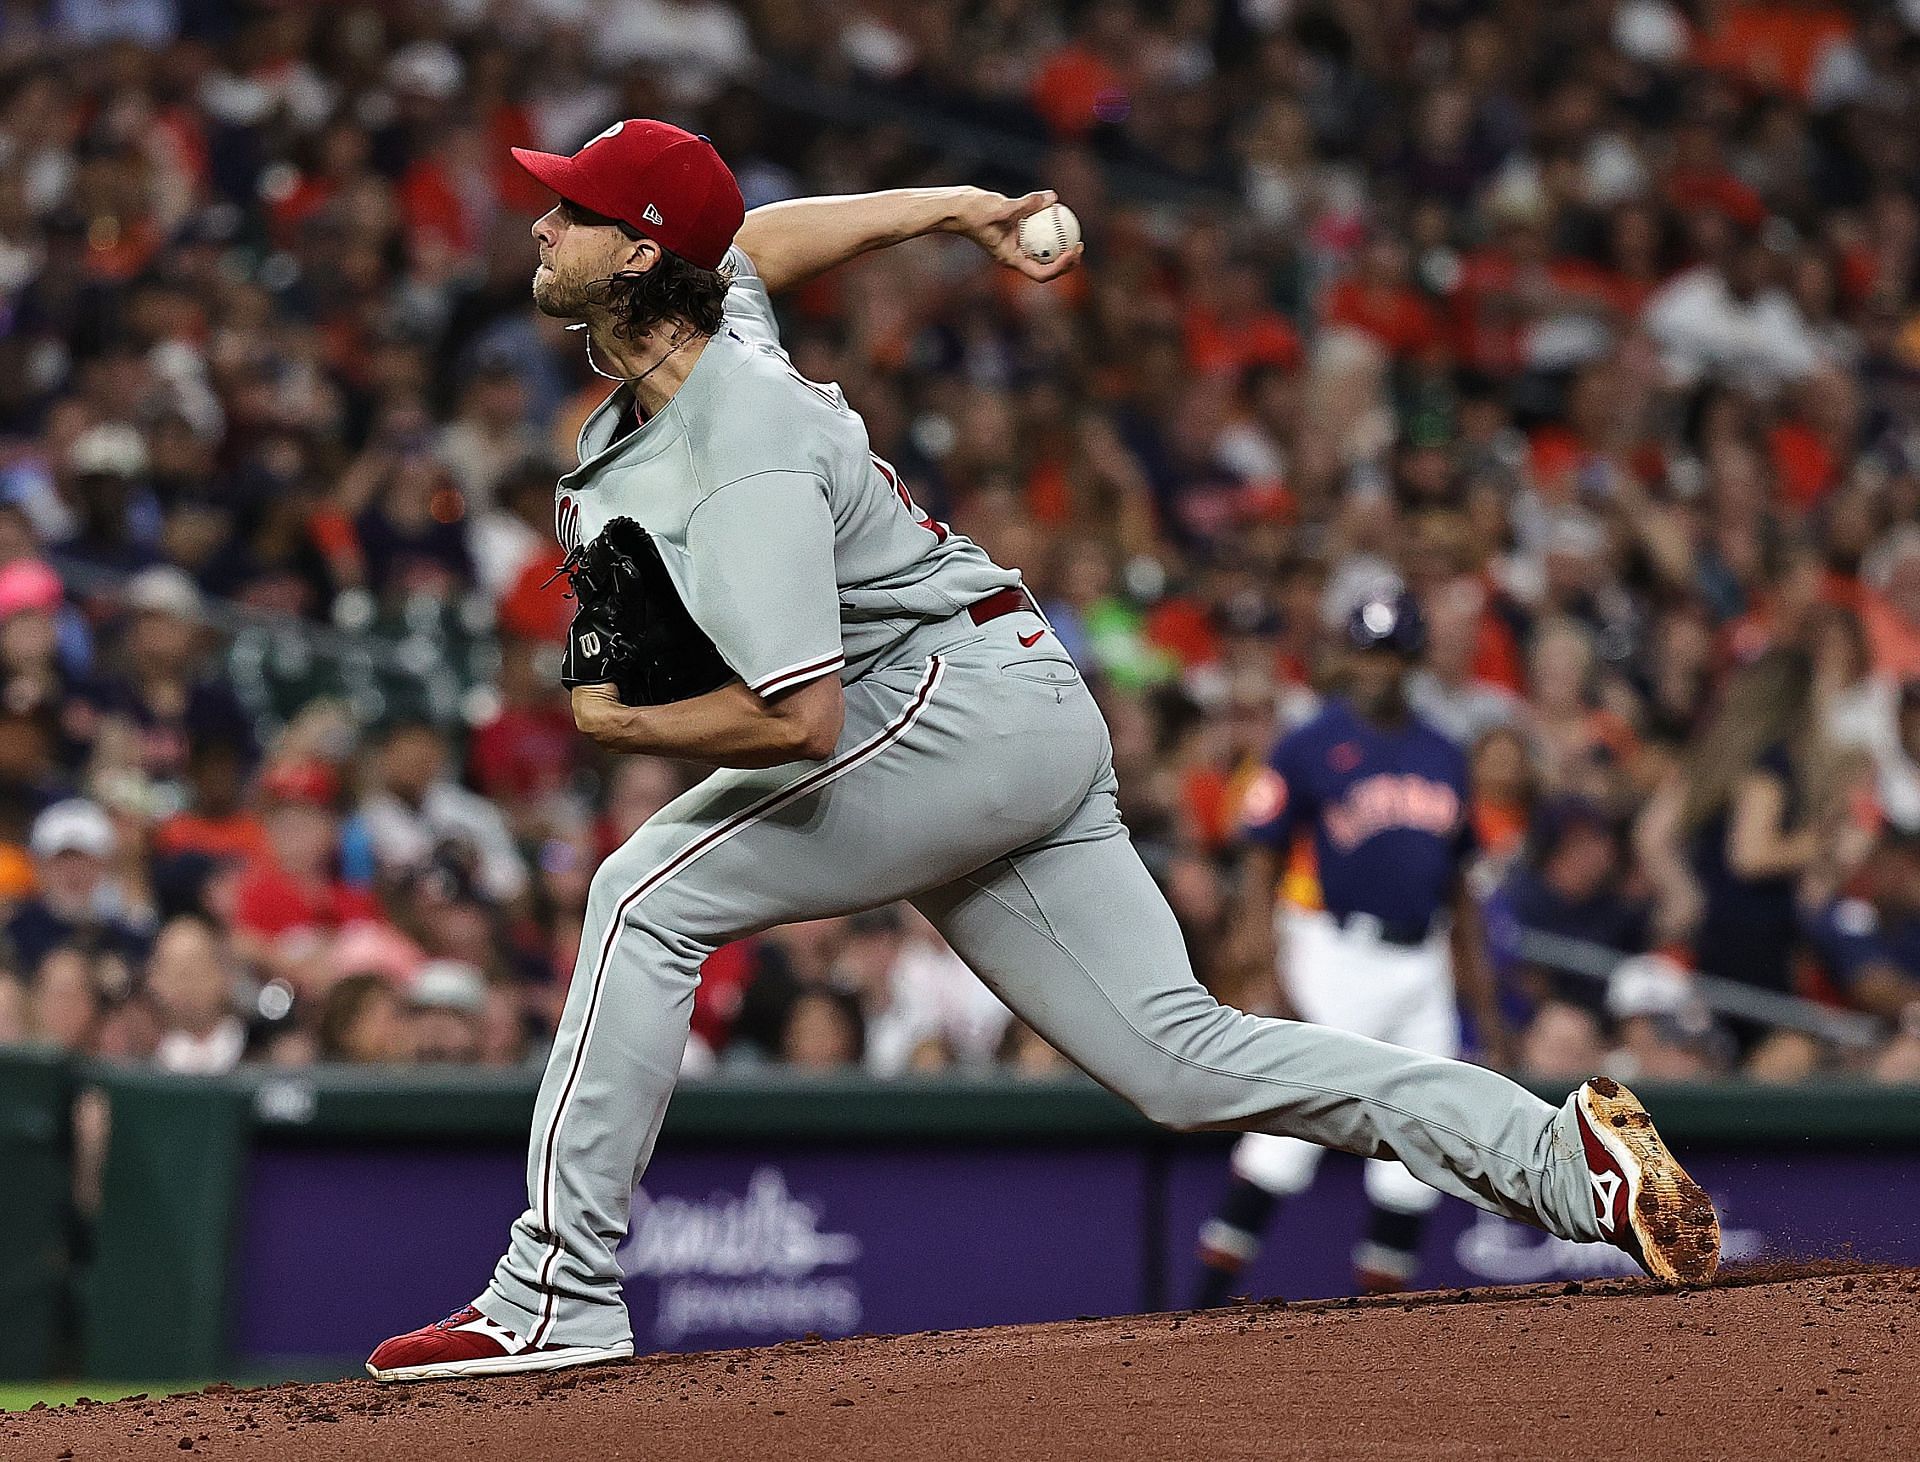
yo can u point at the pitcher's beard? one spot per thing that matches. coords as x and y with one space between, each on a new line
561 299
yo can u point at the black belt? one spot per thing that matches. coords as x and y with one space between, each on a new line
1407 933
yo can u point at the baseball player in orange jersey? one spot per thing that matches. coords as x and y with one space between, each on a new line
903 725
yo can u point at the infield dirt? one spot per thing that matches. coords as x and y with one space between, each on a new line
1767 1364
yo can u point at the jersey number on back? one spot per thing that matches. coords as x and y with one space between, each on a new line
938 530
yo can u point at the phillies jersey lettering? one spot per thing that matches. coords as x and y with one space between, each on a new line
1384 811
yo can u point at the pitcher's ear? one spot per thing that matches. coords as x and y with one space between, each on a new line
644 254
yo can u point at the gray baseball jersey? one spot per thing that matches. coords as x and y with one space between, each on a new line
795 548
974 776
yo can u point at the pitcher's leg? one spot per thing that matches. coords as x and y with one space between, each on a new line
1076 938
609 1076
741 852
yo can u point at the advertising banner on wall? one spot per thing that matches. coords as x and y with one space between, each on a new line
748 1245
340 1248
734 1249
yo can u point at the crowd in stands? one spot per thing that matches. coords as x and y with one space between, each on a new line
1595 323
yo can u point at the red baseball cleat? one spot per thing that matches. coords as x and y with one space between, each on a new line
467 1343
1644 1199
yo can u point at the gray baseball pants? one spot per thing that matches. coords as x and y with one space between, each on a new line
974 778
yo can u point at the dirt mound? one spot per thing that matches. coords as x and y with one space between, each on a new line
1770 1363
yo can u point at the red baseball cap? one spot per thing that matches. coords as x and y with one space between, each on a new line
310 782
657 179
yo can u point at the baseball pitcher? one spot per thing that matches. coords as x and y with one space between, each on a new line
898 722
1360 821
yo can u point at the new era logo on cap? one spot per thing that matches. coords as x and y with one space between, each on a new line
652 215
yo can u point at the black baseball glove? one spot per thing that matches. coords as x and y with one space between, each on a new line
630 628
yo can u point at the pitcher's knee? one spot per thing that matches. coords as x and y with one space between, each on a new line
612 881
627 884
1179 1103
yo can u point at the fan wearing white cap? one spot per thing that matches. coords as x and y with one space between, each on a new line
72 844
167 689
448 1001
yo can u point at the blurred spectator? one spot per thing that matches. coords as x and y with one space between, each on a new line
1664 1031
822 1031
190 982
415 809
1752 819
1447 690
529 753
159 683
448 1001
490 434
1732 321
291 897
1503 783
32 677
1870 942
364 1021
1562 1043
66 1002
1567 885
77 904
217 821
922 1008
107 516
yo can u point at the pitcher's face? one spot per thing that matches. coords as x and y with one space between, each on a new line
579 253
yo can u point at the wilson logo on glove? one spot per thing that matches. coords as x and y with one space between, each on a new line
631 630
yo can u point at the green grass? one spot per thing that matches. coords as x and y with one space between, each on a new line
19 1395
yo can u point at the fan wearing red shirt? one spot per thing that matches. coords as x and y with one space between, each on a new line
1378 300
296 888
530 749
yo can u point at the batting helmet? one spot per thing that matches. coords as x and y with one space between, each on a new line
1388 622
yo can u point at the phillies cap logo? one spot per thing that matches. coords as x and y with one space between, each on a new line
613 131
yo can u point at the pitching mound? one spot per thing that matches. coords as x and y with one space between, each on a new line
1821 1364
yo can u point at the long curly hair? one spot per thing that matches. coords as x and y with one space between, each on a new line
1766 704
673 289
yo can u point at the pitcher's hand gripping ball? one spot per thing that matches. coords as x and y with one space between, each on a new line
1046 235
631 629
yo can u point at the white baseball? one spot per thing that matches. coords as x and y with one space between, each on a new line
1046 235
